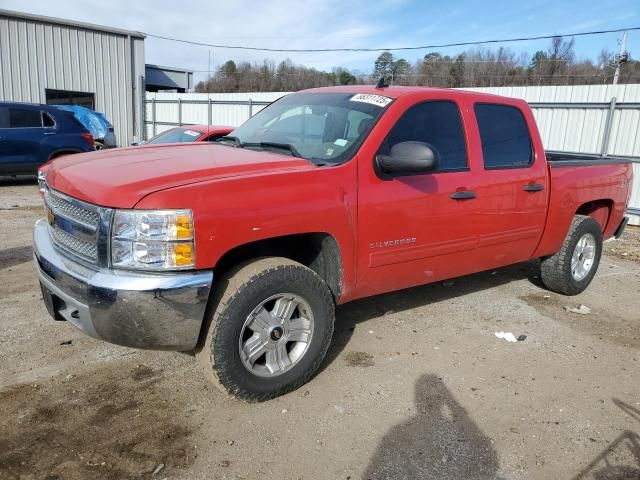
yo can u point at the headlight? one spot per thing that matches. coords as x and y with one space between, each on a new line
153 239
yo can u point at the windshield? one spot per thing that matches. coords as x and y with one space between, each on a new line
321 127
176 135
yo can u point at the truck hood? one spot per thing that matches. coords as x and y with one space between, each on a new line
120 178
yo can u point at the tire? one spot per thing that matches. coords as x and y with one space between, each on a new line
268 282
559 272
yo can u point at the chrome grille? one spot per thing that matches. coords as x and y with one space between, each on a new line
75 225
67 209
79 247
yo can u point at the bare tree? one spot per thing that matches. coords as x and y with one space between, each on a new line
480 67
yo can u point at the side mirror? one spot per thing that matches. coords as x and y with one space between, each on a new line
409 158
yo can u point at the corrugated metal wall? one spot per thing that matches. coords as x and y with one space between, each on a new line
37 54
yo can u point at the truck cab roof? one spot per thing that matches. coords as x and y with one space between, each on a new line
401 91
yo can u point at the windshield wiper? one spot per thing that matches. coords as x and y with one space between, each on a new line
282 146
235 140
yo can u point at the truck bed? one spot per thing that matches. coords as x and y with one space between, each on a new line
585 184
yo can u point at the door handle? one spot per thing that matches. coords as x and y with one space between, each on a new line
49 133
533 187
463 195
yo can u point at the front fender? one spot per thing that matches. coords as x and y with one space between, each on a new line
234 211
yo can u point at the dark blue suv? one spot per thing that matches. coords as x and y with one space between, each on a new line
31 135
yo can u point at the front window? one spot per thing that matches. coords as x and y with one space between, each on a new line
175 135
326 128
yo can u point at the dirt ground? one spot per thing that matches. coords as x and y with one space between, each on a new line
415 386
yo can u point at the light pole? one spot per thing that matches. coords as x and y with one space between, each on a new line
622 58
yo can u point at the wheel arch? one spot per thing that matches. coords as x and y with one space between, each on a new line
62 152
317 250
600 210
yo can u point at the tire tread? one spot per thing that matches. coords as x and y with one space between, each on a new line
555 271
237 279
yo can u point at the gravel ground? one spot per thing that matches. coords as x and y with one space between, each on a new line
416 385
626 247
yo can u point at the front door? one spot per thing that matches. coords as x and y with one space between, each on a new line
417 229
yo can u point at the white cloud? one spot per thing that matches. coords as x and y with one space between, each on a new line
276 23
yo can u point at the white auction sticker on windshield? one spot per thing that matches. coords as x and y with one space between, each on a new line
377 100
192 133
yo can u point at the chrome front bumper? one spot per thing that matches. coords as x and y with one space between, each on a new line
141 310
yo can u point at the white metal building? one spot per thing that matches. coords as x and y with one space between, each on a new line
54 61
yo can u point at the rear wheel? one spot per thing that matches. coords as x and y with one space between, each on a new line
270 330
572 268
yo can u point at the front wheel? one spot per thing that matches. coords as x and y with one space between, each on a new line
572 268
271 328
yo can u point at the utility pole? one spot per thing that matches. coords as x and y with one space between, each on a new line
622 58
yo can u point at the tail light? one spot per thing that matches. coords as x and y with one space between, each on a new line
88 137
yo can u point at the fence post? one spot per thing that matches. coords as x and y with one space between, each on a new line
153 116
250 108
179 111
209 114
604 151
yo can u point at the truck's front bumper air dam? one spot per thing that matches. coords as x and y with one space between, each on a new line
621 227
141 310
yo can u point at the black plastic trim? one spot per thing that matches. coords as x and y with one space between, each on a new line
587 162
463 195
619 231
558 159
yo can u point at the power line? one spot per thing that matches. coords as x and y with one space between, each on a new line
389 49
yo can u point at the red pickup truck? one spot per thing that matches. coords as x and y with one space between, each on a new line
239 250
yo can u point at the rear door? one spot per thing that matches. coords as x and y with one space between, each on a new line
21 139
512 186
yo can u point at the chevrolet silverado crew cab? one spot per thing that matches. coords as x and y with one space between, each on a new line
239 250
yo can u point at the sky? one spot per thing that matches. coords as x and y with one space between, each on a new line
344 23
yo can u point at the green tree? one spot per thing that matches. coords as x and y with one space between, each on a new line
345 77
456 72
388 67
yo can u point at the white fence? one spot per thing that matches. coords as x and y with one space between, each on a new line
601 119
166 110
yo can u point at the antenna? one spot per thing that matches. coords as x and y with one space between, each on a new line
208 95
382 83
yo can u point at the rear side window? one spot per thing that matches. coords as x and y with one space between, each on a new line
47 120
505 136
4 117
24 118
176 135
437 123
